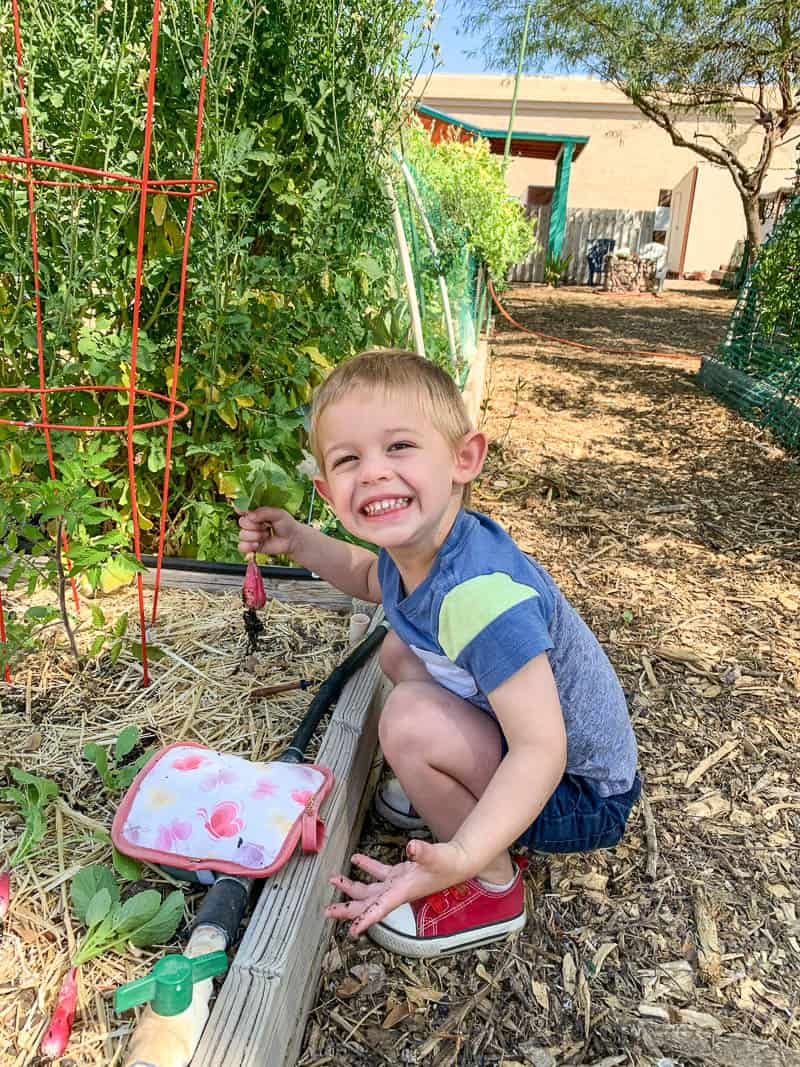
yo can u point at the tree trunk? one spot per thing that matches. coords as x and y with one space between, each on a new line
750 205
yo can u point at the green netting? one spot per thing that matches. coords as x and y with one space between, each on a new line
757 368
456 263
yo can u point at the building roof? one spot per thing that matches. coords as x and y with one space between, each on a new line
523 143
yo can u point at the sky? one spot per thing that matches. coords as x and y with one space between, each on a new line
455 44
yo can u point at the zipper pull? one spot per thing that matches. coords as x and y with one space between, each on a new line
312 828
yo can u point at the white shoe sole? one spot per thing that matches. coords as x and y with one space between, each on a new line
423 947
397 818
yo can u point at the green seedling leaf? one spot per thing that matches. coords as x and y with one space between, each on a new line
126 741
138 911
96 645
97 755
125 775
161 928
99 907
126 866
32 797
86 884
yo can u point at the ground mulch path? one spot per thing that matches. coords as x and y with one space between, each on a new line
674 527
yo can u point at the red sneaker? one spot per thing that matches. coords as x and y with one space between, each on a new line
463 917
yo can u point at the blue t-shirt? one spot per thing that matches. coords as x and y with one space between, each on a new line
486 609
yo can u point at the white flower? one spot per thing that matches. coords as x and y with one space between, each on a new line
308 467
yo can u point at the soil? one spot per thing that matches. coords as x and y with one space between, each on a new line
674 528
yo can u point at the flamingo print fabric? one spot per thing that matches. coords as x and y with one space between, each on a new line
194 808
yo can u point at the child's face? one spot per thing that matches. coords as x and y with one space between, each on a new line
389 474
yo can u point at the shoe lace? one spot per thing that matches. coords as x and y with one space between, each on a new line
444 898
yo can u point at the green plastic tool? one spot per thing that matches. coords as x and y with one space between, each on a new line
169 985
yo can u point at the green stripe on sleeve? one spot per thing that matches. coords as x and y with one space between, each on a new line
471 606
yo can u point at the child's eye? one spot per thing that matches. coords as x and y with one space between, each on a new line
343 459
400 444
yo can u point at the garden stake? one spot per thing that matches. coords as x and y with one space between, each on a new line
162 1040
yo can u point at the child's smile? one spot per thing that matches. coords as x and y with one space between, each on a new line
385 507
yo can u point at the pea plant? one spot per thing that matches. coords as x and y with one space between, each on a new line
55 532
290 265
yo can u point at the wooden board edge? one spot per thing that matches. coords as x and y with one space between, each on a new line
261 1010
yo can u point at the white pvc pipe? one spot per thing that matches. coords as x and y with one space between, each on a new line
408 273
171 1040
426 226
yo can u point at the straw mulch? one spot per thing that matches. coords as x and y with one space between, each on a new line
201 682
674 527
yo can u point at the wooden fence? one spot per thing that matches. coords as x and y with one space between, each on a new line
630 229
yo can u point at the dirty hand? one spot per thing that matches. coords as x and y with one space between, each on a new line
268 530
428 869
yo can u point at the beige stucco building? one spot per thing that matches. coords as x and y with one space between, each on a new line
627 163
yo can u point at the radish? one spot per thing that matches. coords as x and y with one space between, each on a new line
57 1034
5 893
253 595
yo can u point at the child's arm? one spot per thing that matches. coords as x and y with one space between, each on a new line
273 531
529 713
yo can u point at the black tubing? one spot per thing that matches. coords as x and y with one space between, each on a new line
224 904
206 566
329 692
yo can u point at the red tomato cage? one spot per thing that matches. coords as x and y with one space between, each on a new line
30 172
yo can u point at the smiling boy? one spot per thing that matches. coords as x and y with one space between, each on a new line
506 723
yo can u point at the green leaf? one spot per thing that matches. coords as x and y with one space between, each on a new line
161 928
138 911
98 907
96 645
97 755
126 741
87 883
126 866
124 775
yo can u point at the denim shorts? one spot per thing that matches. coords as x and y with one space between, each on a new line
577 819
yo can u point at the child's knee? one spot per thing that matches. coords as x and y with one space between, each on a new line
401 724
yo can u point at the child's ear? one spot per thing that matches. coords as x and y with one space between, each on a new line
322 488
470 455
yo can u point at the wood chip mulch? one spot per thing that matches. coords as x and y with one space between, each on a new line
674 527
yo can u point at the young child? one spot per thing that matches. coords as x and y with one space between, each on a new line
506 723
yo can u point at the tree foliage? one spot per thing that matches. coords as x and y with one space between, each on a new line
777 278
672 58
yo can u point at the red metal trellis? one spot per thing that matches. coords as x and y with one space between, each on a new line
108 181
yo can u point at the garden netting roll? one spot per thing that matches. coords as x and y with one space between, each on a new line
456 263
756 370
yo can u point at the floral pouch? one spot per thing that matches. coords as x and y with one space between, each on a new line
196 809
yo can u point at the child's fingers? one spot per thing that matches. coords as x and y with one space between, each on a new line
354 890
347 910
371 866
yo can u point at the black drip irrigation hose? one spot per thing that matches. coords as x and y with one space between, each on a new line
206 566
225 902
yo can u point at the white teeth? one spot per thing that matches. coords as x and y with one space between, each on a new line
387 505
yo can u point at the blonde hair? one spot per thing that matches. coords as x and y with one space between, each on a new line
394 370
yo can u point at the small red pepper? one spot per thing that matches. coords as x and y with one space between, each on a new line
58 1032
253 595
5 893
